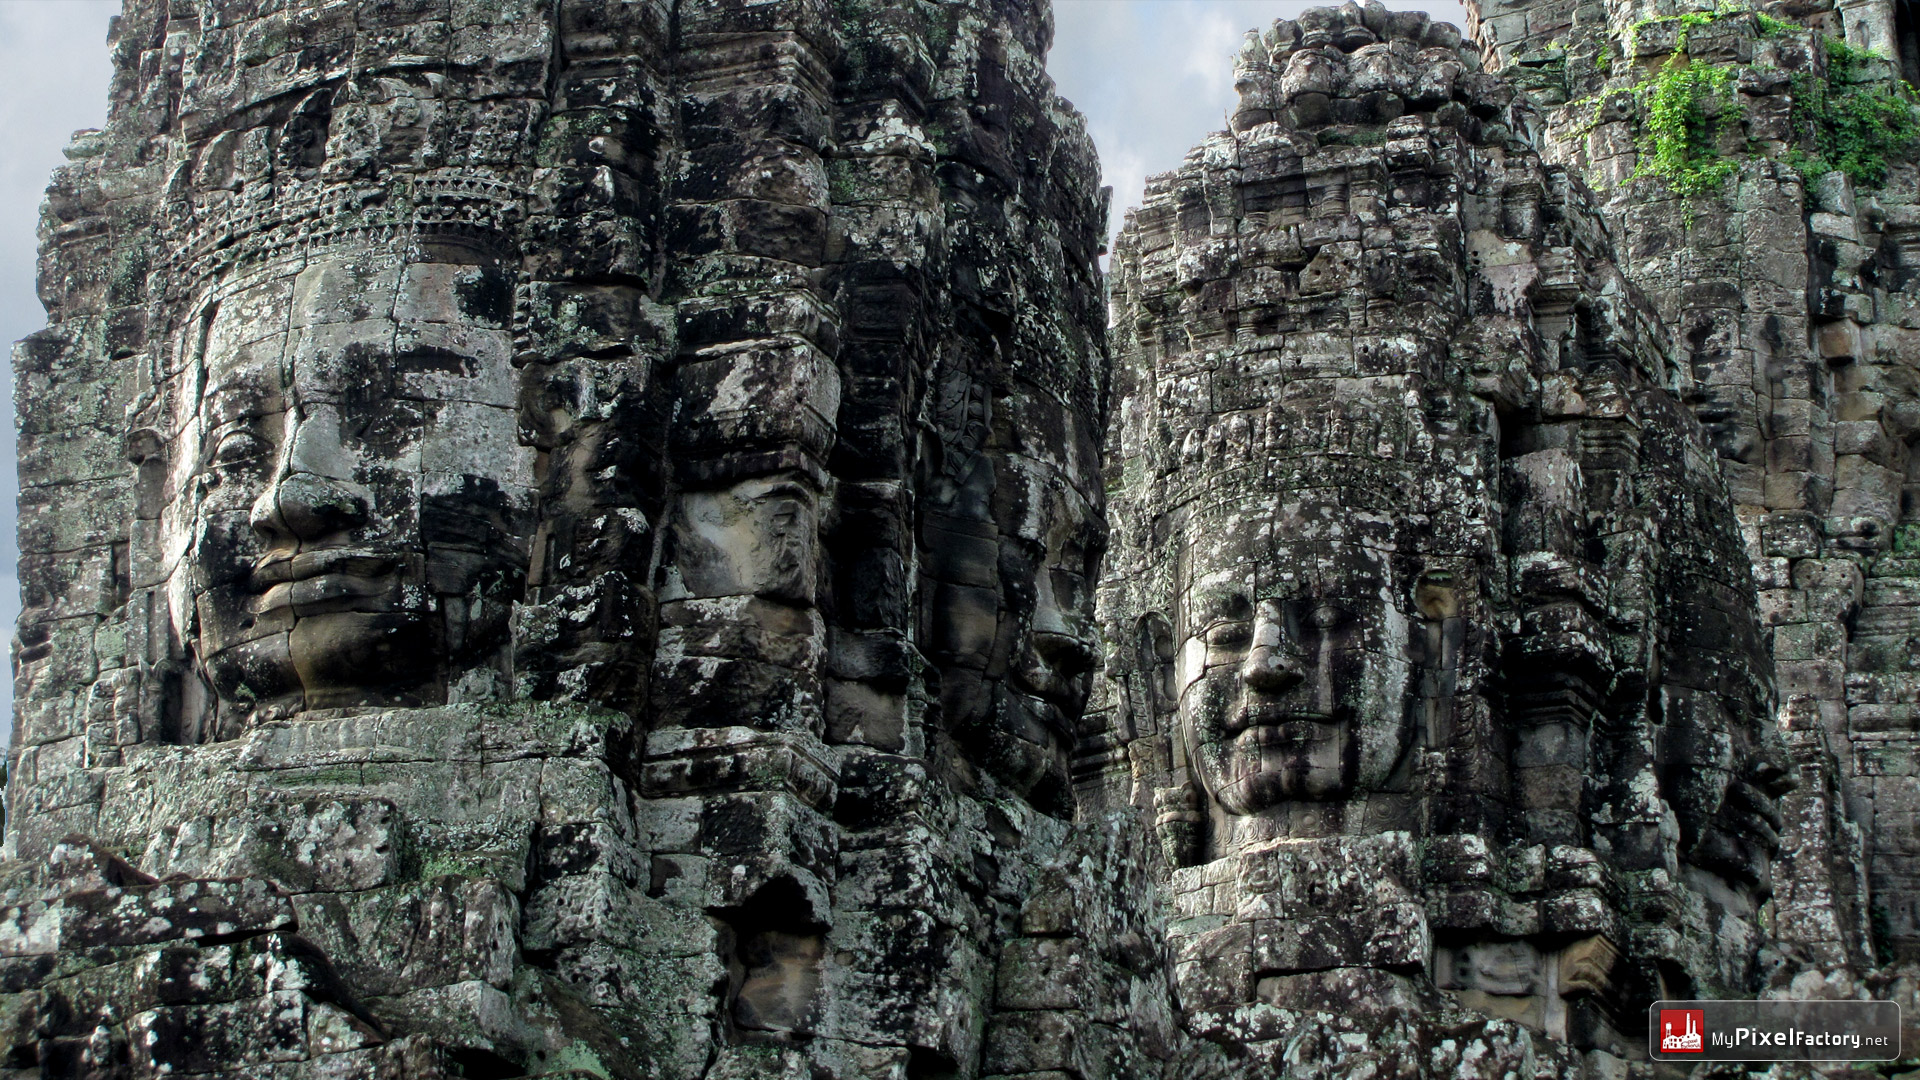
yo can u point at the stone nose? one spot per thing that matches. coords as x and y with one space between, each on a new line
1066 655
312 495
1270 668
302 506
1272 665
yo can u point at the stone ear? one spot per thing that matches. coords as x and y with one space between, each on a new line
1181 823
146 451
1179 818
1153 636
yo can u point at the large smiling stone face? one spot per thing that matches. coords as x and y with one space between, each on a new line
352 502
1294 674
1722 766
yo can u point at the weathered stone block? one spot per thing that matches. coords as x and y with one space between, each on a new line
428 933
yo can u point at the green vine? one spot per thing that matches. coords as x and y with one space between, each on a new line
1857 124
1685 106
1767 24
1678 140
1687 22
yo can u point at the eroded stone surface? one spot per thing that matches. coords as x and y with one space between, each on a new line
536 437
561 538
1791 290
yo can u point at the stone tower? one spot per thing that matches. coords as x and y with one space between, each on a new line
559 536
1771 217
1435 654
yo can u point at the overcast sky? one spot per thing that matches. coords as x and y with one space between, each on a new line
1152 76
53 81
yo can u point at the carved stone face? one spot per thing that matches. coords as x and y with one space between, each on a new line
356 497
1294 672
1722 770
1047 576
1012 545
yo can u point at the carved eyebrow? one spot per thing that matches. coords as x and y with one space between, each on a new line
1238 626
240 394
786 489
1210 609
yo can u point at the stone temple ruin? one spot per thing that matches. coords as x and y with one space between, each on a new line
635 539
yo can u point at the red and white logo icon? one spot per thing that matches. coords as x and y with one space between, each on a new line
1680 1031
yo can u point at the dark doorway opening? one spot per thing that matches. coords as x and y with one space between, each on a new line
1906 39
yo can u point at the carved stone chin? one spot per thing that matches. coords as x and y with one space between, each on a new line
755 538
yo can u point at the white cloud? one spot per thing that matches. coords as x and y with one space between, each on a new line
53 80
1213 36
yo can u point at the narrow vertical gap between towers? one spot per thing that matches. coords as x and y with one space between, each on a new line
1906 39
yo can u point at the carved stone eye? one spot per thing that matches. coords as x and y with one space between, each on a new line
1325 616
1229 633
235 447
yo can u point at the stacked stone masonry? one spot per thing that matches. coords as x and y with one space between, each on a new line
634 539
1789 289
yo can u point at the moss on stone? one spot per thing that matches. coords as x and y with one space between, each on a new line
1353 135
